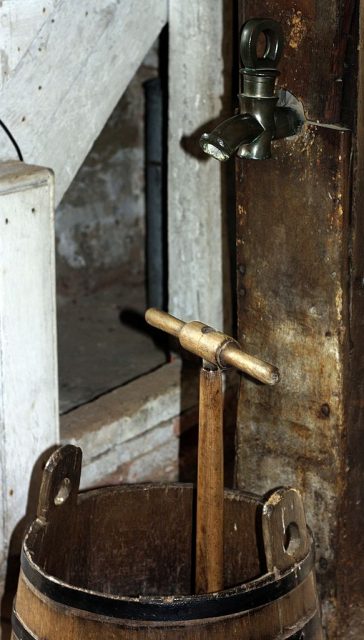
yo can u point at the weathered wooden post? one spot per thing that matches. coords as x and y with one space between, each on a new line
28 357
196 85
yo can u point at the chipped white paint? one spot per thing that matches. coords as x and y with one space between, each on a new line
62 91
194 198
124 424
20 22
28 359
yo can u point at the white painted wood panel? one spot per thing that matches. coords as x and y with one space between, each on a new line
194 187
128 422
71 77
20 22
28 359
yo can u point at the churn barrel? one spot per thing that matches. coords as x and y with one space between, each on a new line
118 563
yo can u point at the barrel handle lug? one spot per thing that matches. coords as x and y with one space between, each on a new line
285 533
60 481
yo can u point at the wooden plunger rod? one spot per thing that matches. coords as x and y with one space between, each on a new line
218 351
214 346
209 572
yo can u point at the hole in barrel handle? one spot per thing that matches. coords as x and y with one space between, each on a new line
292 539
63 492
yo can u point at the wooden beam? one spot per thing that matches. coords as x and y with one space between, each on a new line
20 23
292 301
71 77
300 298
194 182
350 581
28 357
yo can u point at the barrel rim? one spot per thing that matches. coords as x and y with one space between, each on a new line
309 626
245 496
242 597
255 593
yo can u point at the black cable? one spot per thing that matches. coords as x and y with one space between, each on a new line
11 137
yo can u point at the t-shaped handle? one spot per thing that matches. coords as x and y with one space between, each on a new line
214 346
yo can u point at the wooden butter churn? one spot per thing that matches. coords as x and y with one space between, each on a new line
158 561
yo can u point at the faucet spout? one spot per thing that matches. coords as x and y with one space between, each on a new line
229 135
244 135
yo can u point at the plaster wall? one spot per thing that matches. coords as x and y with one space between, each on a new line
100 222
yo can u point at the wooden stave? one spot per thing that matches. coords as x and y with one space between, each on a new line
214 627
242 598
49 621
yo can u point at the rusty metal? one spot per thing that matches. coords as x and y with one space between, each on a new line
298 300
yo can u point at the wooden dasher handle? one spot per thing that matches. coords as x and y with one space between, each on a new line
218 351
214 346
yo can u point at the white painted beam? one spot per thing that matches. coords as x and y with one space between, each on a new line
71 77
20 22
28 358
122 426
194 188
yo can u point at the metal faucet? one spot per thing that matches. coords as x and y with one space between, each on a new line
249 134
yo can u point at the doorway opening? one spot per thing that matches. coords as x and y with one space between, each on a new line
103 280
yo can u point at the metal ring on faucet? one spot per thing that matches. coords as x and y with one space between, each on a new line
249 40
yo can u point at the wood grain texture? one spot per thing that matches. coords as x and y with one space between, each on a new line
194 182
49 621
28 355
210 485
137 541
293 309
20 23
60 95
285 533
350 584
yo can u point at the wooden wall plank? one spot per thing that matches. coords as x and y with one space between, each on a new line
28 356
292 241
300 269
350 582
20 22
71 77
194 181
